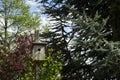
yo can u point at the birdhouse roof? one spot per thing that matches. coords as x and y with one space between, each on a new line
39 43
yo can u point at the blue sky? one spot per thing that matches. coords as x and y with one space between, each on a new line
37 8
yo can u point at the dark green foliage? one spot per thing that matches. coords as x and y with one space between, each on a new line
93 50
75 7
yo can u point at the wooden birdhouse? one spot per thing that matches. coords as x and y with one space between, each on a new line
38 52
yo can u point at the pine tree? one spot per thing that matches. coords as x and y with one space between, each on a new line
93 37
59 38
102 7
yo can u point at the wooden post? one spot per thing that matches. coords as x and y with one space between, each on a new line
38 54
36 35
36 63
36 71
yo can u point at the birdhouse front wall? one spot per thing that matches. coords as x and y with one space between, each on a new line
38 52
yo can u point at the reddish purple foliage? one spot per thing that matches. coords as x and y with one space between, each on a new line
14 61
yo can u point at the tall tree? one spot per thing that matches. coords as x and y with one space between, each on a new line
104 8
59 38
15 19
96 44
